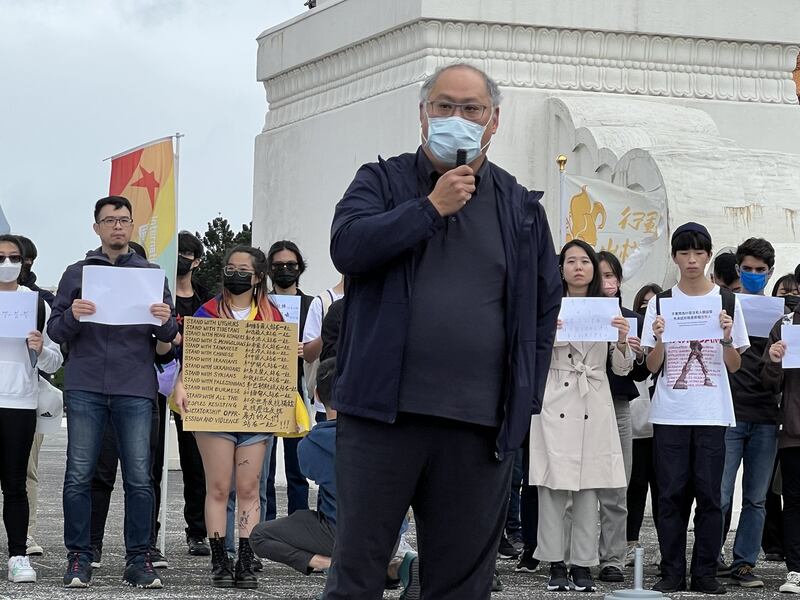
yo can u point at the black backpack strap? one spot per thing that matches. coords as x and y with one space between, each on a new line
728 301
664 294
40 314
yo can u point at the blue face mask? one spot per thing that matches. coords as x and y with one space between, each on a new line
753 282
447 135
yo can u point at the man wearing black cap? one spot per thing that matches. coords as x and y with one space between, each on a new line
692 407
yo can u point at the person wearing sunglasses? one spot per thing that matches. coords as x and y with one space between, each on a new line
19 394
234 456
109 377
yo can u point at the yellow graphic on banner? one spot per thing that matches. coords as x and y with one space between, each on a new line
583 218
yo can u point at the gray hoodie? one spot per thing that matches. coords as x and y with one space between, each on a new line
107 359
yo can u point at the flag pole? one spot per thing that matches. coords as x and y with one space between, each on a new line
167 411
561 160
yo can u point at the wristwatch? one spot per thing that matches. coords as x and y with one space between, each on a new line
727 343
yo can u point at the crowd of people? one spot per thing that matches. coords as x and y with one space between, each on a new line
441 390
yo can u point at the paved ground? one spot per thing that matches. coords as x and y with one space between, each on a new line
187 576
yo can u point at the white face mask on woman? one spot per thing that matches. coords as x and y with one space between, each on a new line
9 271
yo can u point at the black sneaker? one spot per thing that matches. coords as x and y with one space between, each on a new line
581 579
159 560
97 557
526 564
507 549
79 571
197 546
744 577
611 574
707 585
497 585
774 557
723 570
140 573
516 540
559 581
670 585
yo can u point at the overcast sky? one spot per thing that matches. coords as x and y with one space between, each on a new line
85 79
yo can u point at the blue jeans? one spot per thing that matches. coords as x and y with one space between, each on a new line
88 413
756 445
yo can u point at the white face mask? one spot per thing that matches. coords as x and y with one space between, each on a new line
9 271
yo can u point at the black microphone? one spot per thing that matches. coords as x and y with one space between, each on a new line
461 157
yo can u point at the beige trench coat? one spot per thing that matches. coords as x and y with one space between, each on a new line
574 442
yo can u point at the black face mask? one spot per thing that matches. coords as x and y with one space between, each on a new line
236 285
791 302
284 279
184 265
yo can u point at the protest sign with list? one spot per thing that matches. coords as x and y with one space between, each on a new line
240 376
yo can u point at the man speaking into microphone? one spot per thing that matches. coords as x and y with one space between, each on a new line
452 296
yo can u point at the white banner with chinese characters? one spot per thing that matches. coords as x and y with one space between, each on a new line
613 218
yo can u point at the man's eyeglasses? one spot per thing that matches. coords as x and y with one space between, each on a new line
14 259
470 111
287 266
112 221
231 271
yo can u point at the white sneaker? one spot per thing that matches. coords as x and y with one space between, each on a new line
32 548
20 570
792 584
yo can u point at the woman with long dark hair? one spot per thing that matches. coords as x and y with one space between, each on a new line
244 297
574 448
19 398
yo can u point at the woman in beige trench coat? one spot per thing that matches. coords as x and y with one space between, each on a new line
575 447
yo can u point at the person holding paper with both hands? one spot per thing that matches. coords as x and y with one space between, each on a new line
574 443
692 407
109 377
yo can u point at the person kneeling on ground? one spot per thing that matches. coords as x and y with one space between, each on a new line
304 539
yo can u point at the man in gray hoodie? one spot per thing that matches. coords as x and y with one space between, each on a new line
109 376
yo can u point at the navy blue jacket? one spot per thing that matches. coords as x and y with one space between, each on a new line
316 454
107 359
379 232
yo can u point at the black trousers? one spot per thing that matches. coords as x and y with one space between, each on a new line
17 426
105 474
529 504
686 456
446 471
643 477
790 472
194 481
772 537
294 540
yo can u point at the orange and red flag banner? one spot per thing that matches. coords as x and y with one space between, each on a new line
146 177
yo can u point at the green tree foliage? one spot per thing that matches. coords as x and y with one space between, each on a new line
217 241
